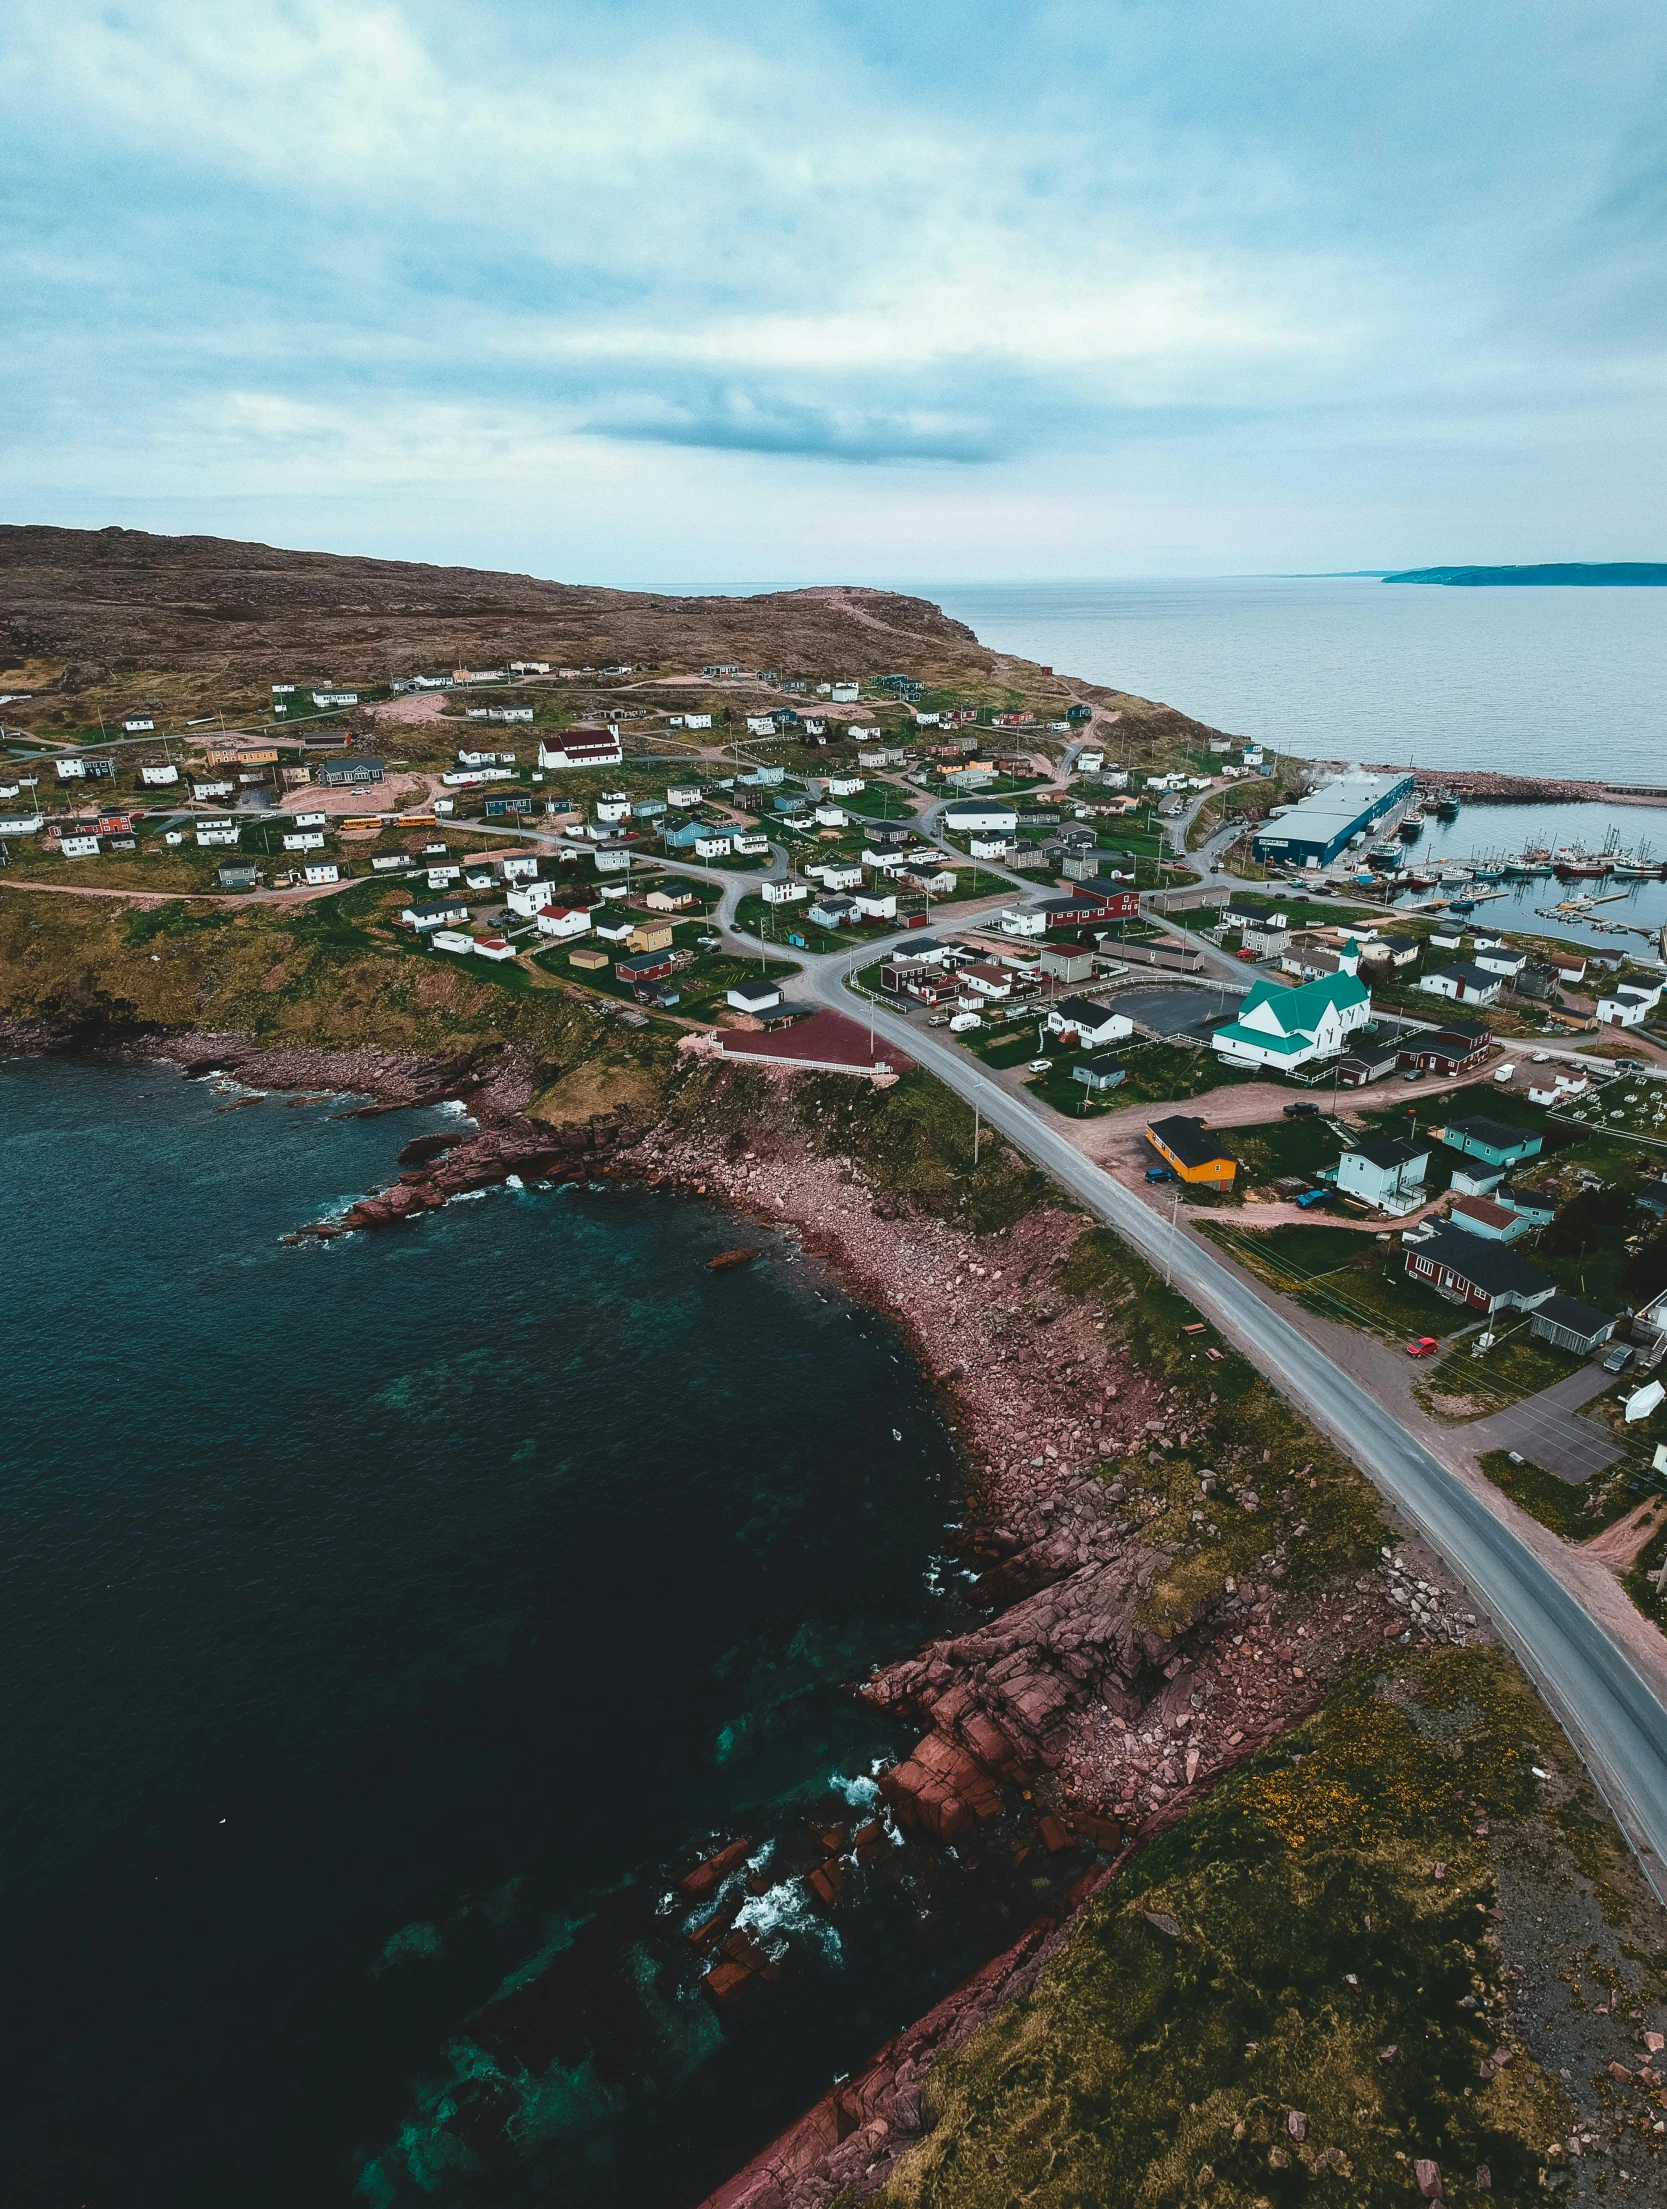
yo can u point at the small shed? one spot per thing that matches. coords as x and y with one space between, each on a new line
1570 1325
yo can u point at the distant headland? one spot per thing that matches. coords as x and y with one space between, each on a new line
1626 573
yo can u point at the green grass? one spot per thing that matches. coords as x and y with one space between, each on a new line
1168 1073
1158 2070
1462 1386
1275 1150
1574 1509
1342 1273
879 801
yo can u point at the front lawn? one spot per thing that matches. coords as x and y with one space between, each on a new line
1574 1509
1342 1273
1276 1150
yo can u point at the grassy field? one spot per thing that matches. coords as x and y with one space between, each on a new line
1463 1385
1342 1273
771 924
879 801
1275 1150
1575 1510
1261 1957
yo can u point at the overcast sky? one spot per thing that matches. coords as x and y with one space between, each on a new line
682 296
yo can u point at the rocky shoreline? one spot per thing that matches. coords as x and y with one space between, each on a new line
1066 1697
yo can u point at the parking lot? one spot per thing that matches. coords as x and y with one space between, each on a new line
1176 1009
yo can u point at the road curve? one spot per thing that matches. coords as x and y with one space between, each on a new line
1615 1721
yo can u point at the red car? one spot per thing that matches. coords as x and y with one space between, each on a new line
1425 1347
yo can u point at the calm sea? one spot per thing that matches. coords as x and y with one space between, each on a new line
1555 682
385 1625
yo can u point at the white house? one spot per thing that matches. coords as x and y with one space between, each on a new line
1627 1003
613 805
986 846
613 862
321 870
1387 1173
843 694
529 667
697 720
335 697
211 833
452 939
158 778
79 847
519 867
202 790
1088 1022
845 786
750 846
831 816
439 913
493 947
718 843
562 920
137 724
529 899
683 794
1023 920
71 770
876 904
962 815
759 996
832 912
1090 760
1501 960
1465 981
837 874
311 820
784 893
581 747
304 839
761 724
443 876
1287 1028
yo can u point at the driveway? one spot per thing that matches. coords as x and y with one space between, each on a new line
1545 1429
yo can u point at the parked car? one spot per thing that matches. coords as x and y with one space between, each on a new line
1160 1173
1426 1346
1618 1359
1312 1197
1414 1073
1040 1066
1305 1110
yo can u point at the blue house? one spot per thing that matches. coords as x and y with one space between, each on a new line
1491 1141
684 835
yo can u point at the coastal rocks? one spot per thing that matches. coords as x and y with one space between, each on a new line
707 1877
939 1789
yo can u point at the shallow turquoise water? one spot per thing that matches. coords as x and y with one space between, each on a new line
384 1624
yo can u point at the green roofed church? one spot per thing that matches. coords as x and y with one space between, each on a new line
1287 1028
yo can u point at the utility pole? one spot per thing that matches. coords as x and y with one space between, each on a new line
1169 1248
975 1134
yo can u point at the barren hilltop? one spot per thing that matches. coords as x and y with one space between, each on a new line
108 615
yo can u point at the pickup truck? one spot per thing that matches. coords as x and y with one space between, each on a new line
1305 1110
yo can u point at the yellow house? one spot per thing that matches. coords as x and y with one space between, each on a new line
650 935
1197 1156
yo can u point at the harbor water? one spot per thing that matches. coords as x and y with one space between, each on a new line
387 1625
1528 681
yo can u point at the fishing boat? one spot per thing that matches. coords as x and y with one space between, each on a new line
1580 870
1410 829
1462 905
1412 881
1447 809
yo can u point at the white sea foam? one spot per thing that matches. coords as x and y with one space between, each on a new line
783 1913
860 1792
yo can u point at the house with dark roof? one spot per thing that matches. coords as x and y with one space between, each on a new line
1088 1022
1471 984
1491 1141
1196 1155
1567 1324
1468 1269
1537 1206
1100 1073
1454 1049
1387 1173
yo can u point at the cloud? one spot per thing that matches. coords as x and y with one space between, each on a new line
834 236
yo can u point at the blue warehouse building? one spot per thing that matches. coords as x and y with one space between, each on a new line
1314 831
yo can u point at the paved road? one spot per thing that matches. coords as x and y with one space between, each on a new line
1619 1726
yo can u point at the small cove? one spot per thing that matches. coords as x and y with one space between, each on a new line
388 1623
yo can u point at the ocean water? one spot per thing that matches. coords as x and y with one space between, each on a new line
385 1625
1554 682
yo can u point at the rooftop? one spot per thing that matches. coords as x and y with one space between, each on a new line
1188 1140
1494 1268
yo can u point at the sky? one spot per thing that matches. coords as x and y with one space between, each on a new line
687 298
